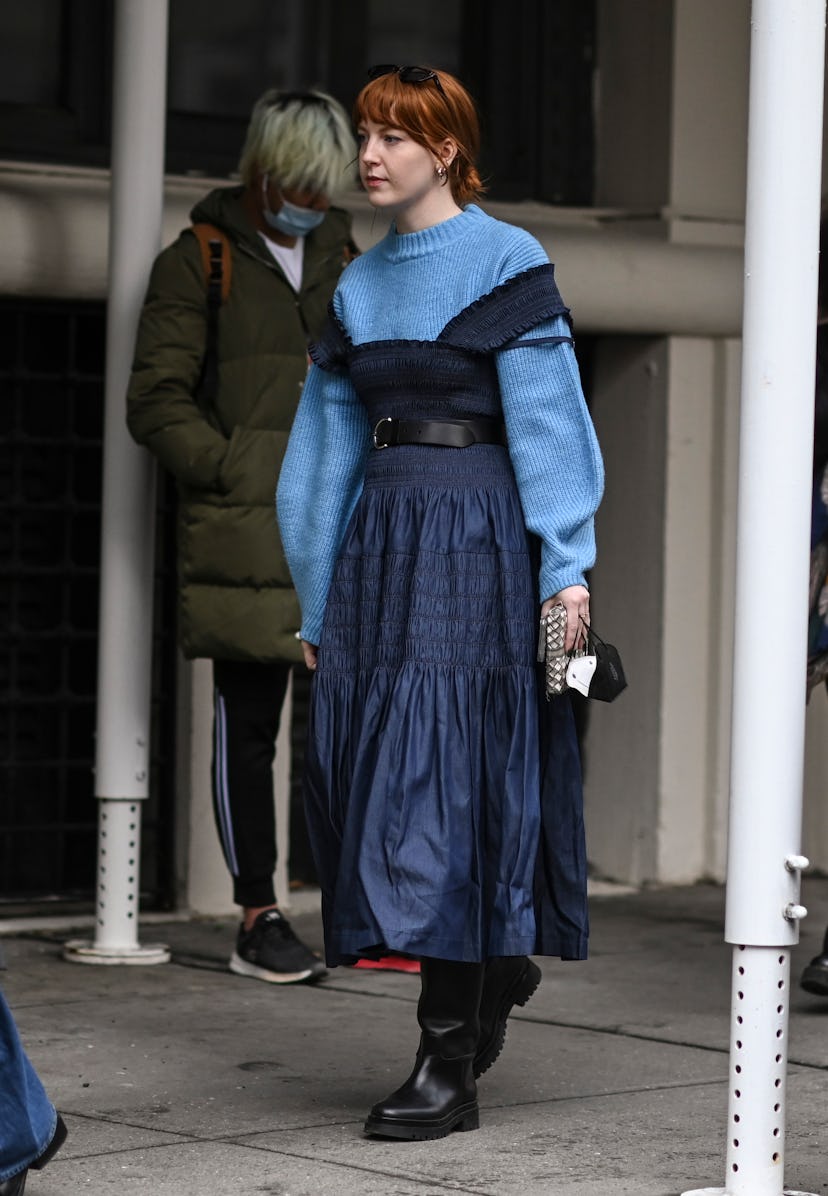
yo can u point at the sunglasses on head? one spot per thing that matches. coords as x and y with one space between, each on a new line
407 74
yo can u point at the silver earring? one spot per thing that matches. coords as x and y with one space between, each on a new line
441 172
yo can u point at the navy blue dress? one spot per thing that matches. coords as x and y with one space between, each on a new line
443 791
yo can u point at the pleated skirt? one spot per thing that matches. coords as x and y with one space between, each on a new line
442 790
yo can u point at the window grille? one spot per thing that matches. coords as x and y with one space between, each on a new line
530 64
51 424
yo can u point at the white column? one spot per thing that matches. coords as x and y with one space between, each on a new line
781 260
128 507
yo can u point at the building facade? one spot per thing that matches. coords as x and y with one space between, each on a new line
620 142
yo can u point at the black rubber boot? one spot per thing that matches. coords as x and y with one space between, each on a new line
58 1138
814 978
440 1095
509 980
17 1184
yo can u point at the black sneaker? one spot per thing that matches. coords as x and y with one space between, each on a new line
271 951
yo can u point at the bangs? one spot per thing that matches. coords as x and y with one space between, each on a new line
412 107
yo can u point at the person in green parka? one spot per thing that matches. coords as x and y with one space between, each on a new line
219 422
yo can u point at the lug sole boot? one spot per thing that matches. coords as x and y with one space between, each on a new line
440 1095
16 1186
509 980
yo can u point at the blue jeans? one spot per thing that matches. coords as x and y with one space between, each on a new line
27 1117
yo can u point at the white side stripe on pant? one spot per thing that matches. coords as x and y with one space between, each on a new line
222 789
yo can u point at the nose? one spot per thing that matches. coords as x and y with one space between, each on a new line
368 150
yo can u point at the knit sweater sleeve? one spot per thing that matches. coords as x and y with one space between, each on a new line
554 452
319 485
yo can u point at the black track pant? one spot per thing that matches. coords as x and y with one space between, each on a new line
247 704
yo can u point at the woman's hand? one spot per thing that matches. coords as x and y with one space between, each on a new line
576 602
309 652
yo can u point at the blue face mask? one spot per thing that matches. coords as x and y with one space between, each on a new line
291 220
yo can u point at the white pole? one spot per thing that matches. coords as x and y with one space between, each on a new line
128 515
776 447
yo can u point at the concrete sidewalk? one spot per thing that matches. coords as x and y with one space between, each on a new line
184 1080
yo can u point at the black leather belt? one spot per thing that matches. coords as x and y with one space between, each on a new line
442 433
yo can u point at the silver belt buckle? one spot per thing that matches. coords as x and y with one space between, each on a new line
386 419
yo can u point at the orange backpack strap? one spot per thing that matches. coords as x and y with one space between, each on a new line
218 267
216 259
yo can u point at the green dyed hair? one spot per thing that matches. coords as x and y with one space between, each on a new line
302 139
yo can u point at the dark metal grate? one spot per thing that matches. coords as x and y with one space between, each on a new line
51 413
531 66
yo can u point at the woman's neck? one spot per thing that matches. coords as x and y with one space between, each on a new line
435 208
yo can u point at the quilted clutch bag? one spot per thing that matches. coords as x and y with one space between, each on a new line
551 651
596 669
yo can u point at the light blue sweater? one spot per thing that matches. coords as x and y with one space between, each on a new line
409 286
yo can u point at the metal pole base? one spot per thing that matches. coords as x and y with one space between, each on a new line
85 951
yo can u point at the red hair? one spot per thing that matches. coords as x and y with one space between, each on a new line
429 115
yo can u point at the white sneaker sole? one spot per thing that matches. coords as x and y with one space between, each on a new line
242 968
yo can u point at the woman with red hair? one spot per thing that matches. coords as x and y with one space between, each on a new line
437 495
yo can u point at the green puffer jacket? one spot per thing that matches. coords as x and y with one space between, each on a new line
236 600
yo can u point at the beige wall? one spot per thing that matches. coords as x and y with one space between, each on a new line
673 114
655 270
666 411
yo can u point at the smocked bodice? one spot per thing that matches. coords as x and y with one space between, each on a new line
453 375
